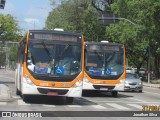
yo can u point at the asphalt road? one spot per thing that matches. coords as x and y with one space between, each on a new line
126 101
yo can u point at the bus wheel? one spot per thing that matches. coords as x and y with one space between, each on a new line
114 93
69 99
18 92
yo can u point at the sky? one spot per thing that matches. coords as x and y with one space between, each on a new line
30 14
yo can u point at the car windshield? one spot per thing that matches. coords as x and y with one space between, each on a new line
104 63
132 76
54 59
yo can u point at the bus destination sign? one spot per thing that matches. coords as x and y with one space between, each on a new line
59 37
108 48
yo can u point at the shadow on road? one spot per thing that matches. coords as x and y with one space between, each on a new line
104 94
54 100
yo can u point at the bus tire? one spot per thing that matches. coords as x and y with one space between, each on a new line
114 93
18 92
69 99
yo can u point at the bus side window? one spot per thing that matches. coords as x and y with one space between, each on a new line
21 51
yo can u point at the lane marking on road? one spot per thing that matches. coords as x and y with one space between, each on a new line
136 106
138 100
98 107
95 101
3 103
151 93
110 101
49 105
120 107
74 106
20 102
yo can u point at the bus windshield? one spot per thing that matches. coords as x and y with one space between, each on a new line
54 59
104 63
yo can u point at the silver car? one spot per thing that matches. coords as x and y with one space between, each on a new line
133 83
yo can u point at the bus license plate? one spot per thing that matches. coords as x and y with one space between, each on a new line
51 93
104 89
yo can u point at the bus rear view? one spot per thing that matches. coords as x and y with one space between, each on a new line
50 63
104 67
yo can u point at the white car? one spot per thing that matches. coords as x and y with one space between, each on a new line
133 83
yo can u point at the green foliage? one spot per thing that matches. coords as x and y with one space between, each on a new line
77 16
2 58
11 32
10 28
13 53
144 34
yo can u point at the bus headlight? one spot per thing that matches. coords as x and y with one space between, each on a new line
78 83
28 80
122 81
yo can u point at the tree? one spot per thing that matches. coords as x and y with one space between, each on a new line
13 53
137 38
77 16
10 28
9 32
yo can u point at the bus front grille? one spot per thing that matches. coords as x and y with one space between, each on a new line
59 91
102 86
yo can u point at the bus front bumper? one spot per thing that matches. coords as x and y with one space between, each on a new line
102 87
31 89
87 85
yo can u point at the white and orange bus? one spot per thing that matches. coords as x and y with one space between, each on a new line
105 66
50 62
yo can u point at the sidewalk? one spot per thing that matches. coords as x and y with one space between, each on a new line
151 85
5 93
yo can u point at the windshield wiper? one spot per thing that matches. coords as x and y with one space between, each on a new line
66 47
99 56
46 49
